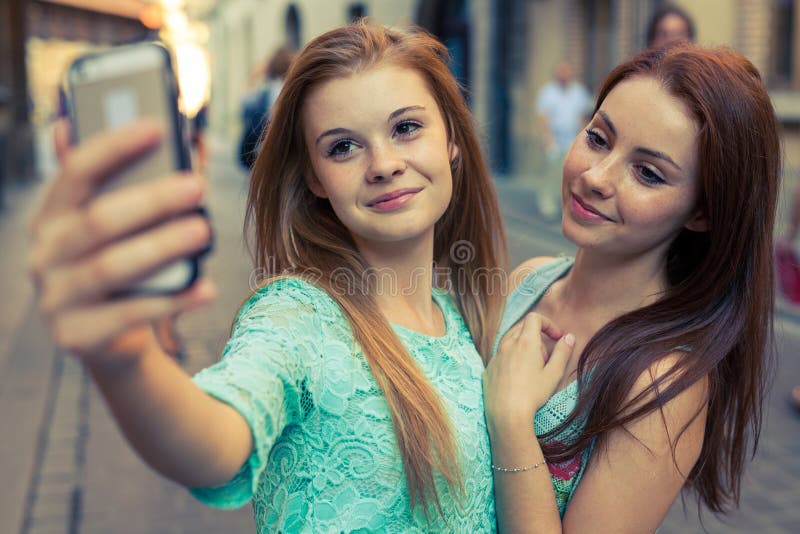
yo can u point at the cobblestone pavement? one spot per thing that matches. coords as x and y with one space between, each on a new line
66 469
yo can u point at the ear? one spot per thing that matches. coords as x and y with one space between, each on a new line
315 185
453 151
697 222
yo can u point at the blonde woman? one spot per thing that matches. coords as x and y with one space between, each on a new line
349 394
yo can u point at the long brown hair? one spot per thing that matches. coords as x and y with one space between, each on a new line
295 232
719 304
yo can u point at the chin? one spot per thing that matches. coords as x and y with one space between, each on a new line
569 228
398 235
578 235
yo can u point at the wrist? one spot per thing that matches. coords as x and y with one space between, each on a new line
510 423
124 357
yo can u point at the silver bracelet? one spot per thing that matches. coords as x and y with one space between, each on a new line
518 469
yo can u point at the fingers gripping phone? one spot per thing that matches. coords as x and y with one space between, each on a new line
115 87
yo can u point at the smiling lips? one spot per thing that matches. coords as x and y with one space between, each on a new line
586 212
394 199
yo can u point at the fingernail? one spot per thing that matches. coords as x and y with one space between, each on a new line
569 339
207 289
204 292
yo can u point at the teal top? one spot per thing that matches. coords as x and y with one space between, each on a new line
565 476
325 456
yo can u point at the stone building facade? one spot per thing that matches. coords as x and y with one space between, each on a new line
511 47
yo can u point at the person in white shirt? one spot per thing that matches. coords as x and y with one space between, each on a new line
562 106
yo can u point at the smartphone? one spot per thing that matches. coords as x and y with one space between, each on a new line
114 87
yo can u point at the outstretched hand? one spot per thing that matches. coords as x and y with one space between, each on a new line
87 245
522 375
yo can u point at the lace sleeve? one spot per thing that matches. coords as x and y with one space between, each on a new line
262 374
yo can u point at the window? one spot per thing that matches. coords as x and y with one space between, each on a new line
601 37
356 11
786 44
293 28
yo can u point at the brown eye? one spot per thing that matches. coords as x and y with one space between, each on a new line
649 176
407 128
595 140
341 148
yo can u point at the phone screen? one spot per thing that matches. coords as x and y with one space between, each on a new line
116 87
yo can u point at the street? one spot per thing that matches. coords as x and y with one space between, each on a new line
67 469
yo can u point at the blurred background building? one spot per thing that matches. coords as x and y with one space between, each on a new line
503 50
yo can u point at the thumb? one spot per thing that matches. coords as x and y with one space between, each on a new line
557 364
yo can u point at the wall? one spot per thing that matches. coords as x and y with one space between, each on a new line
244 33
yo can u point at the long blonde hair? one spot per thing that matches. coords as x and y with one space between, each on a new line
293 231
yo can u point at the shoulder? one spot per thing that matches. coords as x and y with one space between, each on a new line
289 297
288 288
664 372
546 91
523 270
580 88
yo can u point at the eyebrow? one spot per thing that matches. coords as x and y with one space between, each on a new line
393 115
334 131
641 149
406 109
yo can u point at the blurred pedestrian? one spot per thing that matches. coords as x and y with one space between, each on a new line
343 401
669 24
787 264
668 302
562 106
197 137
794 398
788 268
258 101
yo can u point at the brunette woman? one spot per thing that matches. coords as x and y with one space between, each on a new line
669 195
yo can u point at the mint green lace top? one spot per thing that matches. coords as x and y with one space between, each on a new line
325 457
565 476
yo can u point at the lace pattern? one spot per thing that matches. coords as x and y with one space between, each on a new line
325 456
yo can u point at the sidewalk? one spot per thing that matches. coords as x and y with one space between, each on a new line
26 362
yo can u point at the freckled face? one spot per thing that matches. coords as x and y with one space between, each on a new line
629 183
379 153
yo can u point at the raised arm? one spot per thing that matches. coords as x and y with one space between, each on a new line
85 246
176 427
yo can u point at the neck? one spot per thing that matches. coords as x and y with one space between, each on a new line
606 286
403 276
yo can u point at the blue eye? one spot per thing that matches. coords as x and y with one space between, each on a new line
595 140
407 128
341 148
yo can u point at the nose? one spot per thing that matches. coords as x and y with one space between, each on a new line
600 178
385 163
